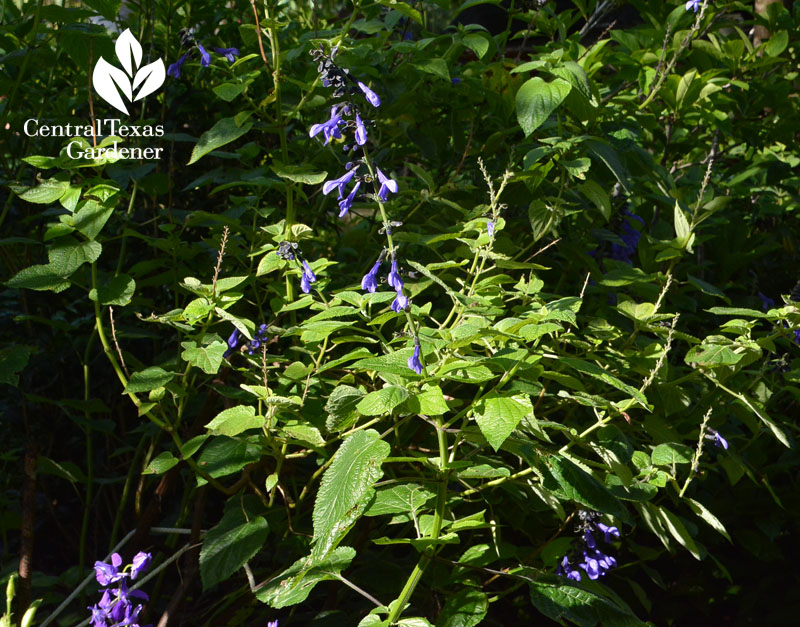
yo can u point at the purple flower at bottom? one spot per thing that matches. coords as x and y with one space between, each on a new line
308 278
370 95
361 131
272 623
591 566
229 53
413 362
400 302
205 57
346 203
608 532
174 70
99 615
370 281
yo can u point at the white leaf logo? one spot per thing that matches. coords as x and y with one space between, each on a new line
112 84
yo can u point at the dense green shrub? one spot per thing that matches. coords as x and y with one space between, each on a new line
537 357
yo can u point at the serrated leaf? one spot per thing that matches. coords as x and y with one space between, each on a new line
118 291
38 277
346 488
13 360
466 608
562 600
230 544
382 401
208 358
161 464
148 379
341 407
235 420
295 583
669 454
712 355
67 255
400 499
223 132
224 456
498 415
429 402
48 191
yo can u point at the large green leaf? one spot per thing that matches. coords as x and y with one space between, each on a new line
226 547
399 499
148 379
295 583
498 415
235 420
466 608
382 401
208 358
67 255
223 132
346 488
560 601
537 99
341 407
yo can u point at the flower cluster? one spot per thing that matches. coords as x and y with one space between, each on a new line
630 239
290 252
370 283
235 341
116 608
195 47
595 562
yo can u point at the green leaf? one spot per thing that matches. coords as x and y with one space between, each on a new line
118 291
437 67
48 191
498 415
478 43
593 370
737 311
341 407
571 482
230 544
223 132
606 153
299 173
393 363
382 401
712 355
38 277
161 464
399 499
67 255
466 608
682 228
148 379
563 600
678 530
228 91
225 456
109 9
429 402
777 43
536 100
208 358
91 218
235 420
405 9
703 512
346 488
295 583
319 330
669 454
13 360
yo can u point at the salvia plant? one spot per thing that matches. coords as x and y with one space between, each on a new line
399 313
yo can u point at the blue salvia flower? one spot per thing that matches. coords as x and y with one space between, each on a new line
400 302
608 532
630 238
414 362
272 623
595 562
330 128
346 203
259 337
394 279
565 569
361 131
490 228
233 342
387 185
370 281
205 57
141 562
766 302
174 70
229 53
370 95
116 607
719 441
341 182
693 4
307 278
